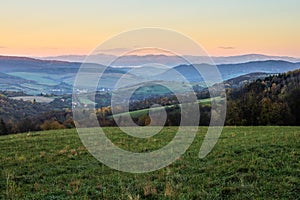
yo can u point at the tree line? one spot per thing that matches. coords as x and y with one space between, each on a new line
274 100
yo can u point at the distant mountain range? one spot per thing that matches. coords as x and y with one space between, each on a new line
134 60
35 76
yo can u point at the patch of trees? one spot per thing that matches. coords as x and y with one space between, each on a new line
45 121
16 110
23 116
274 100
13 93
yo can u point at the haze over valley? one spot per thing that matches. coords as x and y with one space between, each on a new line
36 76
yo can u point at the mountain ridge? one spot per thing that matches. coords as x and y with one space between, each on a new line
36 76
132 59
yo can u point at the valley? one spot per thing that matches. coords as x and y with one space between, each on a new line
33 76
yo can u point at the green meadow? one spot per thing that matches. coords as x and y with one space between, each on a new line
246 163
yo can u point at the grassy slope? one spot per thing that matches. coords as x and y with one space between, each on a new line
140 112
247 163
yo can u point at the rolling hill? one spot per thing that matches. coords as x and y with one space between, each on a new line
172 60
34 76
246 163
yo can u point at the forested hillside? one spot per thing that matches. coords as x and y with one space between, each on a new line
23 116
274 100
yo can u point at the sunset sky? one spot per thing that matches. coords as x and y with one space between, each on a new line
231 27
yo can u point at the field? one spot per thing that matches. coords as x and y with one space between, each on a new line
246 163
137 113
36 98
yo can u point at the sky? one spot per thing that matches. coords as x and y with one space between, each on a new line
222 28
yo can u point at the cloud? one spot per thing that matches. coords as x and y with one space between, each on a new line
2 47
226 47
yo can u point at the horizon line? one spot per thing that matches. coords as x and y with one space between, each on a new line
216 56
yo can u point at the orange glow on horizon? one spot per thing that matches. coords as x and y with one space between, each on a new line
222 28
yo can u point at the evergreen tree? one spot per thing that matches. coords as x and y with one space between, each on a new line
3 128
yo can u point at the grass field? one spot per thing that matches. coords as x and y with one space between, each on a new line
41 78
36 98
246 163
